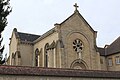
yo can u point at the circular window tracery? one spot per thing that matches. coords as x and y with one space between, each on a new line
78 45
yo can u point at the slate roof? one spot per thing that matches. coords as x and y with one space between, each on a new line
25 37
111 49
114 47
28 37
101 51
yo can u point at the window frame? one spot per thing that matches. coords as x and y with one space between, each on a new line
117 60
110 62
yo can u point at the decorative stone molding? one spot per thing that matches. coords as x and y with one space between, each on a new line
53 45
82 64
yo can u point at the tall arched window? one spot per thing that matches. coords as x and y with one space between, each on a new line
36 56
13 59
46 55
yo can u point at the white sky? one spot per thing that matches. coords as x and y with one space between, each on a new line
38 16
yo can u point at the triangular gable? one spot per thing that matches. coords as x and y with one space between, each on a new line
77 12
14 33
26 37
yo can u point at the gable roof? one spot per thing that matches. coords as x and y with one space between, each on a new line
76 12
25 36
111 49
114 47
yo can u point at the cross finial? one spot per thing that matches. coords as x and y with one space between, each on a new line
76 6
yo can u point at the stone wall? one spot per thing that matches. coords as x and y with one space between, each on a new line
114 66
37 73
40 45
75 27
26 51
12 47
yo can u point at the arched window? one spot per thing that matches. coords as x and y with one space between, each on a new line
46 48
13 59
36 56
41 57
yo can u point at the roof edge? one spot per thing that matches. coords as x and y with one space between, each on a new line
77 12
45 35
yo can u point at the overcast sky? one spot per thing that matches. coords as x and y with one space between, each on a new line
38 16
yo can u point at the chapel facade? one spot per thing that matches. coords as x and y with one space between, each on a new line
70 44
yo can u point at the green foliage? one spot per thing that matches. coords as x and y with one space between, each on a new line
5 10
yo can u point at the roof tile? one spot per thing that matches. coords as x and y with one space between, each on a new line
28 37
114 47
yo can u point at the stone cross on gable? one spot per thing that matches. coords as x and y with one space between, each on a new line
76 6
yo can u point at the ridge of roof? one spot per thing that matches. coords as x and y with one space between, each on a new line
53 29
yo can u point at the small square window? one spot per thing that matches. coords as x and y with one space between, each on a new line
117 59
110 62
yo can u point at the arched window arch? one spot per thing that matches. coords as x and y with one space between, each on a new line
79 64
36 56
46 48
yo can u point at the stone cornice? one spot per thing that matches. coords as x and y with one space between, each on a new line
27 42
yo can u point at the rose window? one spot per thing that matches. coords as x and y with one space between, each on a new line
78 45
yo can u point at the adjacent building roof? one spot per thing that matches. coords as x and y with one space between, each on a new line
101 51
114 47
111 49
